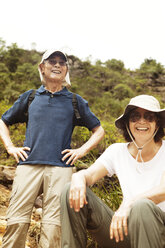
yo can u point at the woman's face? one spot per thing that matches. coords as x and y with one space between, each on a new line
142 124
54 69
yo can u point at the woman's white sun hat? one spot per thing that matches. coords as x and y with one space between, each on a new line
146 102
46 55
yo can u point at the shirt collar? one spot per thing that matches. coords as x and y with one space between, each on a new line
64 91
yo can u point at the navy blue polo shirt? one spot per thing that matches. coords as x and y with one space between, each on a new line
50 124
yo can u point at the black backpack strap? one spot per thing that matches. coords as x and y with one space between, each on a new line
74 102
75 106
31 97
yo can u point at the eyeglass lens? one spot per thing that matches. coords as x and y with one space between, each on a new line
136 116
54 62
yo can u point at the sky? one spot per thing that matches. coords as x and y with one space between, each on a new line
126 30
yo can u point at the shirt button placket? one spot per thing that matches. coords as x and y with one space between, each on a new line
51 98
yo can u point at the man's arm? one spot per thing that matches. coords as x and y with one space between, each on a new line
73 154
16 152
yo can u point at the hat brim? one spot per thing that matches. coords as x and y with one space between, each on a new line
119 120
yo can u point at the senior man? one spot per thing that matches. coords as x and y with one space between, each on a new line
46 160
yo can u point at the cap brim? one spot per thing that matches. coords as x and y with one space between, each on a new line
50 52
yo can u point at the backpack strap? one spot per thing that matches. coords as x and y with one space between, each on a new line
31 97
75 106
74 102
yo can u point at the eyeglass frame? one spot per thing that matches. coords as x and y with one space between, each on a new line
53 62
147 116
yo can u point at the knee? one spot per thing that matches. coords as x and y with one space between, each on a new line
142 205
140 210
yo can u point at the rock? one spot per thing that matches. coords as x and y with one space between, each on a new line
39 211
9 174
4 199
2 224
38 201
37 214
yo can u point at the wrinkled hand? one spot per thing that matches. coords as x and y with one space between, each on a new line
18 152
72 155
77 195
119 223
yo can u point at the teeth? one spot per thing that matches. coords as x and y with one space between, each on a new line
142 128
57 72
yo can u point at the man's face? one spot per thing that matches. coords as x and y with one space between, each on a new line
54 69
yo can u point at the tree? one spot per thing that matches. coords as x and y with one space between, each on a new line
122 91
114 64
150 68
12 57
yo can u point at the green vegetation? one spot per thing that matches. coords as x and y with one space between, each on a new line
107 87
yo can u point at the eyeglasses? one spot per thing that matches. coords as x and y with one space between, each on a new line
54 62
136 116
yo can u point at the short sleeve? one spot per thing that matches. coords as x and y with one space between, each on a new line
17 113
88 119
107 159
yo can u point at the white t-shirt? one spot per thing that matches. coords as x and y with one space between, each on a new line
134 177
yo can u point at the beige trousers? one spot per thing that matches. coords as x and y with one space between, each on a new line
29 182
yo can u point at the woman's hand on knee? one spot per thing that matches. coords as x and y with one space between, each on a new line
118 226
77 195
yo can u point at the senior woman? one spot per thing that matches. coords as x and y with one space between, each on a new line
140 167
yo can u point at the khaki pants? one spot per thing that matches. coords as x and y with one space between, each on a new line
146 224
29 182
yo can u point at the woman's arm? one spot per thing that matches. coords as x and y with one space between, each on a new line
80 180
119 220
